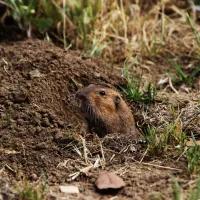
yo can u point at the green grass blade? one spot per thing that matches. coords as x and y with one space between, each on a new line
195 72
180 72
176 189
197 195
193 28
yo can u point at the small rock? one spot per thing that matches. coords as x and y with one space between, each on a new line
40 146
58 134
3 116
33 177
20 122
69 189
2 100
45 122
98 75
3 92
132 148
19 97
38 129
60 124
32 130
8 103
10 96
19 175
16 106
35 74
50 197
109 180
28 85
45 114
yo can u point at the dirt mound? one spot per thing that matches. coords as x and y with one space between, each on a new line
40 129
37 81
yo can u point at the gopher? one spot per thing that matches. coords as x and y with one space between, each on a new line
105 111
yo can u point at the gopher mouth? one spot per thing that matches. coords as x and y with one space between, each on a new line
86 109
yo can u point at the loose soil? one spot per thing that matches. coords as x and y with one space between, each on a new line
41 133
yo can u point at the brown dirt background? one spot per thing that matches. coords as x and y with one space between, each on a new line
40 127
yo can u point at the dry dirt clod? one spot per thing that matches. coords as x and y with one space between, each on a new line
19 97
8 103
3 92
33 177
40 146
45 122
109 180
35 74
38 129
4 196
50 197
20 122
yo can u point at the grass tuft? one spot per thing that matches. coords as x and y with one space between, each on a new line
158 140
176 189
32 191
134 87
190 194
155 143
194 30
124 25
193 157
182 77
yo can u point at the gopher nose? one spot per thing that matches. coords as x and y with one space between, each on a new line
80 96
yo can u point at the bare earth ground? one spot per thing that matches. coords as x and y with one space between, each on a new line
40 128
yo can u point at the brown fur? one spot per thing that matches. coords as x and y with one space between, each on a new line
105 113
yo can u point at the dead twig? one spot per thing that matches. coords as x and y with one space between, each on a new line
171 85
159 166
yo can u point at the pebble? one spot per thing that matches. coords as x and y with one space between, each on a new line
19 97
8 103
33 177
32 130
70 189
45 122
38 129
50 197
20 122
40 146
35 74
3 92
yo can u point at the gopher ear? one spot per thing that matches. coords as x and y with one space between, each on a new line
117 100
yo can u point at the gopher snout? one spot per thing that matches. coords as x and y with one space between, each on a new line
79 96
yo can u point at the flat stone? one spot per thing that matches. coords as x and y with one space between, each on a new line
70 189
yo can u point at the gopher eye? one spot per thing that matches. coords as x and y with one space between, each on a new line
102 93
